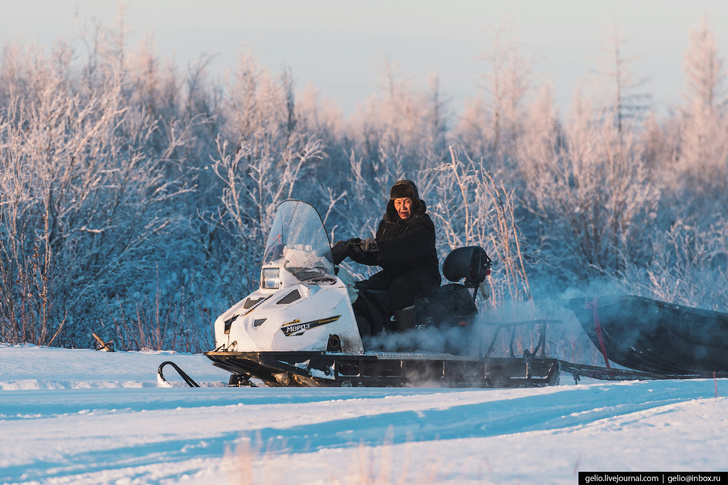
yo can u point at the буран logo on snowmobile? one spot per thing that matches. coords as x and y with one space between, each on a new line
297 328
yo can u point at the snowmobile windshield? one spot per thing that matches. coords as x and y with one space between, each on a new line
299 244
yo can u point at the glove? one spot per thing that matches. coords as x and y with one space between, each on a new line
369 245
342 249
339 251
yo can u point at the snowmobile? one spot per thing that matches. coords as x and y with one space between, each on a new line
299 328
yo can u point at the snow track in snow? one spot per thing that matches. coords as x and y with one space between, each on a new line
213 434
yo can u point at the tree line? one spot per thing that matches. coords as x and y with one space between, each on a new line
135 197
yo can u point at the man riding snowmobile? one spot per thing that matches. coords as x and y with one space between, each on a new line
404 247
300 328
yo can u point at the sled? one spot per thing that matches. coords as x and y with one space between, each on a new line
299 327
652 336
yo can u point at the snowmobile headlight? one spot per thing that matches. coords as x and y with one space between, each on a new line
270 278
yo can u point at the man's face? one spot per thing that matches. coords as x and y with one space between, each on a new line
402 206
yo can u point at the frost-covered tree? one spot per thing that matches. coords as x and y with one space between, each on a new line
590 190
262 154
86 201
492 120
700 175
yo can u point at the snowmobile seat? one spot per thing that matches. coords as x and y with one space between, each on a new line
469 262
450 305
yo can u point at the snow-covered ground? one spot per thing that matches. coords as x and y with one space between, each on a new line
86 417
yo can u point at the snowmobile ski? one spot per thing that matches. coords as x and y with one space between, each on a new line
164 382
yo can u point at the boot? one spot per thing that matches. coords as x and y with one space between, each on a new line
405 318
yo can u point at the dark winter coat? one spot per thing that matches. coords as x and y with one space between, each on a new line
405 246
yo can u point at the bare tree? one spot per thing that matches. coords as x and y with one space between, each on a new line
703 68
626 99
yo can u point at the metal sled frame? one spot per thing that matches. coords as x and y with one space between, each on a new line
513 326
332 369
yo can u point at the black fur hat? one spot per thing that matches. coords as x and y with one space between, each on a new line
404 188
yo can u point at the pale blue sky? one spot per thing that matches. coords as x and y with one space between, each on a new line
338 45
